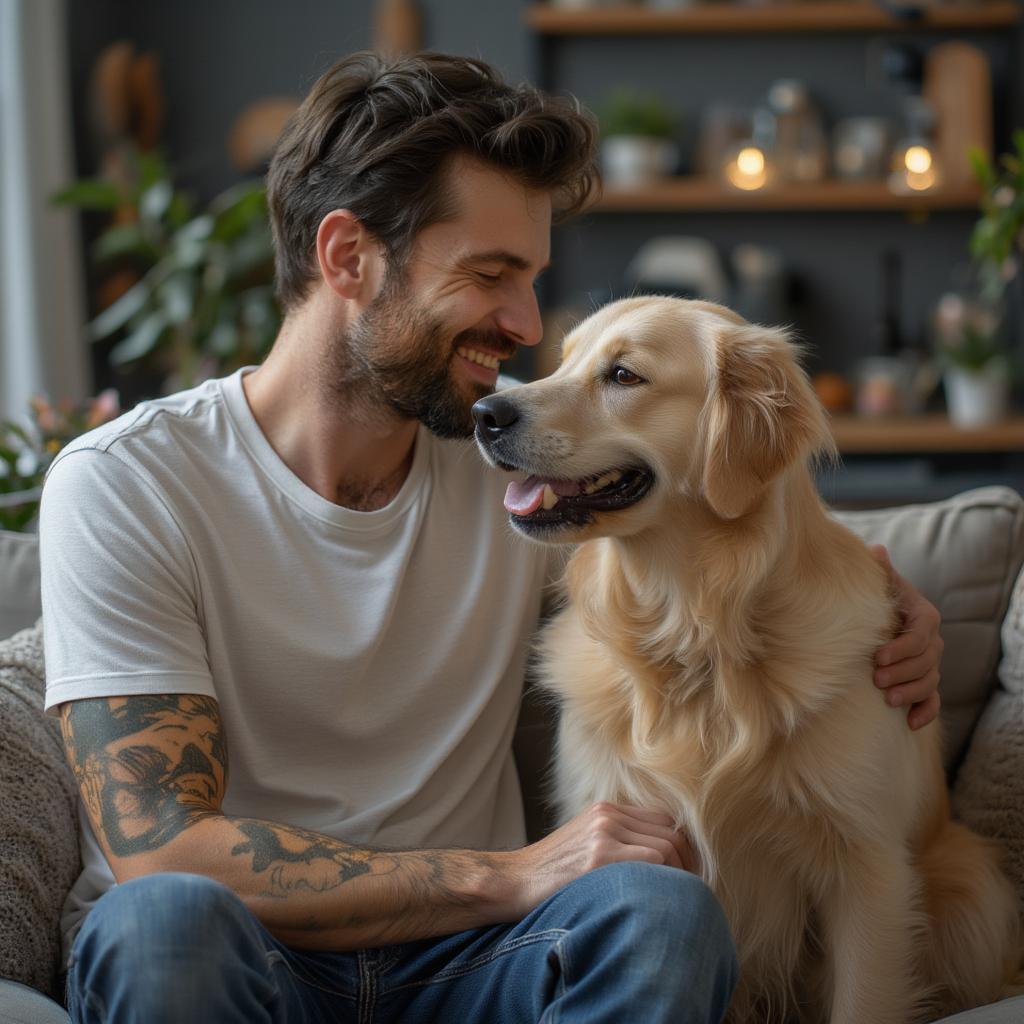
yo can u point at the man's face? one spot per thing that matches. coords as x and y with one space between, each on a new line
429 344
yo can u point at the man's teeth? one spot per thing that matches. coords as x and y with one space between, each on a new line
550 498
603 481
482 358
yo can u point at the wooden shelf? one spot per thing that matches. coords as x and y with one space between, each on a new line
707 194
859 434
751 18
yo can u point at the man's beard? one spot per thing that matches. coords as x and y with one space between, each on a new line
398 356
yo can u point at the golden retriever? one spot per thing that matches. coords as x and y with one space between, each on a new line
714 659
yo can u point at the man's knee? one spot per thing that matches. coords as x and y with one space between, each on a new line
160 912
654 890
168 947
658 905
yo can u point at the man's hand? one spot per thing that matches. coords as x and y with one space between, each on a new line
907 667
605 833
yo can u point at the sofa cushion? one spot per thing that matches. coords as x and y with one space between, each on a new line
39 858
988 795
19 582
963 554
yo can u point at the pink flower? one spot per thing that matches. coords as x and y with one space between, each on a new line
105 406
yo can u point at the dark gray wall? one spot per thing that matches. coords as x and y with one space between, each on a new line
219 55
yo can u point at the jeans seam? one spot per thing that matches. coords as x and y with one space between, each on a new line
88 999
450 974
301 977
552 1014
367 984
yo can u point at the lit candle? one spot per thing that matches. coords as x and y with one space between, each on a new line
748 169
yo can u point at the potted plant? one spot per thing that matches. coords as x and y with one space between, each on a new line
26 451
971 325
637 143
976 372
193 292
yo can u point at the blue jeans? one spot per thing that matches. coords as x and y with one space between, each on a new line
627 942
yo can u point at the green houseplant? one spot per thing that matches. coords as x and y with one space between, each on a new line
637 143
997 242
26 450
200 300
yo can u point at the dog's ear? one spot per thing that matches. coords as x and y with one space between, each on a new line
761 416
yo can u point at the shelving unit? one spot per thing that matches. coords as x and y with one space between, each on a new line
692 193
918 458
924 434
726 19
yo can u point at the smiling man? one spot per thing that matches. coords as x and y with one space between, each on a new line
286 624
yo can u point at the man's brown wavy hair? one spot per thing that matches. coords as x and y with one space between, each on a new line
375 136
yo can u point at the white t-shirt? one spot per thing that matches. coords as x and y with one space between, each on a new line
368 666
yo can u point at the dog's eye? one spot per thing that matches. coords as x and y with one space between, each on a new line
626 377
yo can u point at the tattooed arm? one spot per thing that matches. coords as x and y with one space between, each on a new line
152 774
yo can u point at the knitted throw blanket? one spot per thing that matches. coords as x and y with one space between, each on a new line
39 858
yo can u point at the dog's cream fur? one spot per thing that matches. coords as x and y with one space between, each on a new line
714 659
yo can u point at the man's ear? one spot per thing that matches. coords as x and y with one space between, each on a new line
761 416
349 257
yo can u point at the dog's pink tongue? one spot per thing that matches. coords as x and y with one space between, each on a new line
524 497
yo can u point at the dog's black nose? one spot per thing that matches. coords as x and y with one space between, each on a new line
494 415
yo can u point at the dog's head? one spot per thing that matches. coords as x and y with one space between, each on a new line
657 400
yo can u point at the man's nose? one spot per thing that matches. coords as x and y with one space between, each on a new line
494 415
522 320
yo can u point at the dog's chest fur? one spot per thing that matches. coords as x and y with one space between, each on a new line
742 732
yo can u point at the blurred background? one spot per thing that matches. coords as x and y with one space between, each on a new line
852 169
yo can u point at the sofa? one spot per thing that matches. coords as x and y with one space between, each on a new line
965 554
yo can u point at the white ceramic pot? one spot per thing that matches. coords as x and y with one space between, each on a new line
637 159
977 397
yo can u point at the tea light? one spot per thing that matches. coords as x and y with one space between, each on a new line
747 169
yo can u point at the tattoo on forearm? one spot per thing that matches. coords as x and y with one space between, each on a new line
148 768
297 859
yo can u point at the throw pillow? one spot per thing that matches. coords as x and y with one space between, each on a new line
963 554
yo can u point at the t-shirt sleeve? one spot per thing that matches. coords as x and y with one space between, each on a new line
122 610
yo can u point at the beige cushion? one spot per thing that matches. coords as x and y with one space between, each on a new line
963 554
19 582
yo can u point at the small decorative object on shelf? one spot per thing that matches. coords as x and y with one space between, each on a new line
26 451
637 138
748 164
833 391
860 148
914 164
899 379
958 85
799 152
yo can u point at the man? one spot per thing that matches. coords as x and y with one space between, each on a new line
286 624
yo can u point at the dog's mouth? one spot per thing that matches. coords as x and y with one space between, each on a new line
544 502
